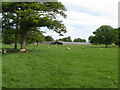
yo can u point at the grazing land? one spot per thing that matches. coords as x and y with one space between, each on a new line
50 66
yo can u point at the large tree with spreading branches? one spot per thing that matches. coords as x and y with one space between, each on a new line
24 17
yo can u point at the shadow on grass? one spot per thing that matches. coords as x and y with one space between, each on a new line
103 46
11 50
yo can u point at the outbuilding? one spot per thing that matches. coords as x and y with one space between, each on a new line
57 43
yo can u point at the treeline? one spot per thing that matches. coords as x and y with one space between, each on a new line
34 37
68 39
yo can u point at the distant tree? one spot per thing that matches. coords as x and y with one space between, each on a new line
49 38
104 35
116 36
66 39
79 40
92 40
35 36
83 40
119 35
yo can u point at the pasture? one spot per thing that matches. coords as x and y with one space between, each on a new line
50 66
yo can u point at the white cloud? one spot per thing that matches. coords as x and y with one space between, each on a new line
108 10
76 32
100 6
85 16
79 18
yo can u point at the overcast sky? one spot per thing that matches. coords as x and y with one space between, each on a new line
85 16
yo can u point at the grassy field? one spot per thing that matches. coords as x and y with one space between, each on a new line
47 66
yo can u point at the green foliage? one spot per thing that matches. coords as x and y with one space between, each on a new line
36 14
104 35
35 36
24 16
116 36
92 40
49 38
8 37
66 39
79 40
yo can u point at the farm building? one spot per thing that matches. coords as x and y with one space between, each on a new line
65 43
76 43
57 43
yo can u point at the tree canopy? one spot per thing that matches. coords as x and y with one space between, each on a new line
66 39
49 38
79 40
35 36
25 16
103 35
116 36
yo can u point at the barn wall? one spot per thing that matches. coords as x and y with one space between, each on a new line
45 43
76 43
69 43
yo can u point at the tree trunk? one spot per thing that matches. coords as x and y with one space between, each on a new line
118 44
106 46
37 43
16 37
23 40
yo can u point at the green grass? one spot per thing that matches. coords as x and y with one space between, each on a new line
48 67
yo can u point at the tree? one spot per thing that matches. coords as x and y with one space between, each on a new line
92 39
10 20
119 35
29 15
8 37
49 38
79 40
104 35
116 36
35 36
8 29
66 39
